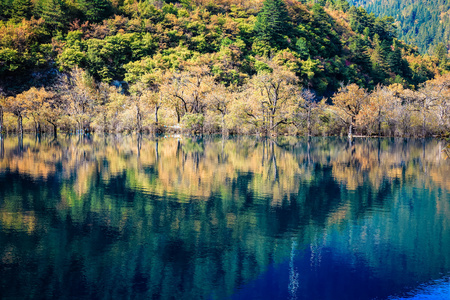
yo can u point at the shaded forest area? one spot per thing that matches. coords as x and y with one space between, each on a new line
424 23
245 67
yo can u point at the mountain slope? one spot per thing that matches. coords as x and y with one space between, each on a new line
325 44
424 23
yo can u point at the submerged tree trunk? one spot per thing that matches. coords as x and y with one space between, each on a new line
351 126
20 144
55 130
37 128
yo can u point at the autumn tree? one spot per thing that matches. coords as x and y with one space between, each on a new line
307 110
79 88
152 82
348 103
377 109
140 101
271 92
2 104
187 91
36 100
53 110
18 106
109 106
433 96
219 101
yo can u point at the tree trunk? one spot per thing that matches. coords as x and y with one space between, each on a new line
178 115
2 146
223 125
19 125
20 144
423 123
38 128
105 129
156 114
138 120
308 151
308 122
55 130
271 122
1 119
350 131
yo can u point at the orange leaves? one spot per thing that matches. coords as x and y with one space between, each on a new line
28 101
348 101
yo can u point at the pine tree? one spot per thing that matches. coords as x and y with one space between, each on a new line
360 56
21 9
273 22
53 12
395 60
441 53
96 10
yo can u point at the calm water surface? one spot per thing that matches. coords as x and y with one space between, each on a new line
122 217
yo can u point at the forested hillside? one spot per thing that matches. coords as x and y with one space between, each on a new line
243 66
425 23
323 45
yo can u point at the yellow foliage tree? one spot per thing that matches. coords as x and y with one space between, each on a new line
348 103
271 95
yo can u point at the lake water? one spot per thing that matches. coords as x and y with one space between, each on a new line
122 217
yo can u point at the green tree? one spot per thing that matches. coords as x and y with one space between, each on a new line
54 12
441 53
273 22
21 9
360 56
96 10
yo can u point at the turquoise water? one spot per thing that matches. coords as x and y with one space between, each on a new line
126 217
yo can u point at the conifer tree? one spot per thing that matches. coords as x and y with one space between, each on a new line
53 12
395 60
96 10
441 53
21 9
273 22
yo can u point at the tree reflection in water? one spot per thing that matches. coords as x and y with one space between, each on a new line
188 218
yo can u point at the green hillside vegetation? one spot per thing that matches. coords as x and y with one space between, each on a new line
230 66
424 23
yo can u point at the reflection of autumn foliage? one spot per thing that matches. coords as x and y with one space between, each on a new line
446 150
189 168
188 195
375 162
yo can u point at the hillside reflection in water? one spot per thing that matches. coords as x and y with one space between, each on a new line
213 218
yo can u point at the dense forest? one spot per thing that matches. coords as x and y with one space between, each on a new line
231 66
424 23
